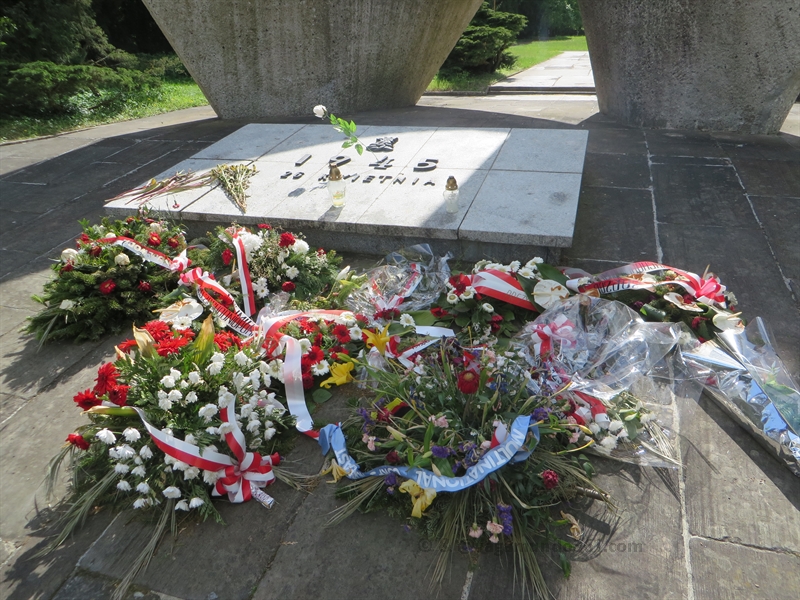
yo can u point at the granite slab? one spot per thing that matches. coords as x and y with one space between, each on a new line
517 186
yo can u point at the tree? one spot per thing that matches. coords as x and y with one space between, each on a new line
483 46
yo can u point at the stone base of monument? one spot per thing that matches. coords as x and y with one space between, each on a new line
518 189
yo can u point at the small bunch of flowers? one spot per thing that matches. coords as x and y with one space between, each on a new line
277 262
100 288
443 415
182 393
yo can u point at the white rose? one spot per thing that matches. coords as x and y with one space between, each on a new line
122 260
66 304
69 255
320 111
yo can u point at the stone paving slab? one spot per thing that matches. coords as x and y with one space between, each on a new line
529 178
569 71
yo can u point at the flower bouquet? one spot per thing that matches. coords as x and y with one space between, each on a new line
182 415
253 265
114 277
459 444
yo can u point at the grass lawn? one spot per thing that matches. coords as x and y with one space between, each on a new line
528 54
175 96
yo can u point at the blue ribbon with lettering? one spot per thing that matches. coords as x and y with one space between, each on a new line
511 450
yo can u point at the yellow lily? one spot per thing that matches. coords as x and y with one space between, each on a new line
340 374
378 340
335 471
422 498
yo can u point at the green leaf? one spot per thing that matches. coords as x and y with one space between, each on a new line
444 466
566 568
428 435
550 272
423 317
359 149
462 320
321 395
204 344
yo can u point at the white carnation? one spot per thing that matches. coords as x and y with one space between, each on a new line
208 411
123 486
300 247
106 436
122 260
171 492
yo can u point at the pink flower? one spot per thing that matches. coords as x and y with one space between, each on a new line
494 539
475 531
494 528
440 421
550 479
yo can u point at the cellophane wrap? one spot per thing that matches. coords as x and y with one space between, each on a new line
604 348
414 274
744 374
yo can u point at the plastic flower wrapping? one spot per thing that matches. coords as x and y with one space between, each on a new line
482 393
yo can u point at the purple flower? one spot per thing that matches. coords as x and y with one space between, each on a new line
440 451
541 414
504 514
390 480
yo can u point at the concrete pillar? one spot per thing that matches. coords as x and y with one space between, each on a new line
279 58
721 65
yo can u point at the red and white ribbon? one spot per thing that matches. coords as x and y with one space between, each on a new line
179 263
414 279
248 297
501 286
208 291
561 330
237 476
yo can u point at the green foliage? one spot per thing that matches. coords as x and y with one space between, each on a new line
129 26
48 88
561 17
59 31
483 47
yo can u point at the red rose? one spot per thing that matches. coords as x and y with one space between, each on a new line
107 287
106 379
83 239
288 286
321 252
95 251
468 382
173 243
393 458
67 267
227 256
87 399
439 312
76 439
119 395
287 239
154 240
144 286
264 226
308 381
550 479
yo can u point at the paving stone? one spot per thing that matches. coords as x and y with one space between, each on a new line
462 148
28 198
616 170
86 585
721 570
769 177
616 141
682 143
9 404
25 575
767 147
710 194
613 225
379 555
735 491
743 261
781 220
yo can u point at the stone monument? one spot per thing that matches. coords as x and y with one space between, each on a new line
279 58
722 65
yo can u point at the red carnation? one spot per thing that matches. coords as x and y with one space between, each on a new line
342 333
144 286
127 345
224 340
288 286
264 226
67 267
106 378
173 243
494 323
95 251
287 239
107 287
76 439
459 283
83 239
154 240
550 479
439 312
468 382
119 395
87 399
227 256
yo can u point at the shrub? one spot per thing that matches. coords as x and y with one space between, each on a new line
483 46
47 88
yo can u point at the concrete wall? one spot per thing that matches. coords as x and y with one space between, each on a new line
723 65
279 58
